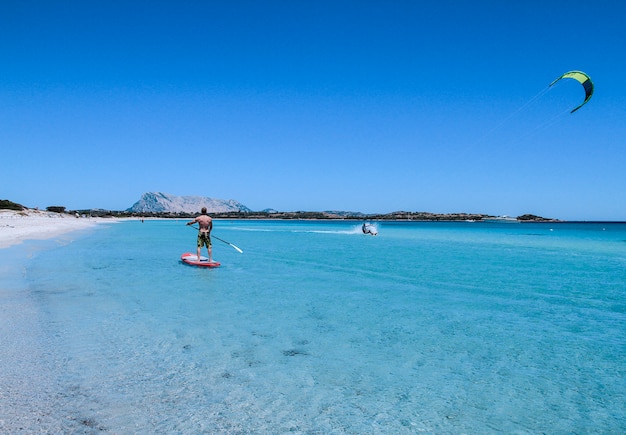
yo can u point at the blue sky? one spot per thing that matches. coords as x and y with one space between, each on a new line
371 106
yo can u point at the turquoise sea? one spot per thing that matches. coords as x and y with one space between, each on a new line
442 328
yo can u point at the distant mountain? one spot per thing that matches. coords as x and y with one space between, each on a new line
158 202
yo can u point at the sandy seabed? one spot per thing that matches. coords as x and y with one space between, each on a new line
27 394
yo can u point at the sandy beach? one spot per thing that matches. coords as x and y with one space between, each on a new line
18 226
24 375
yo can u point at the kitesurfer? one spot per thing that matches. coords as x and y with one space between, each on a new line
369 229
204 234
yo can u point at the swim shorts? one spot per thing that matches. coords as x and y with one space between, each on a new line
204 239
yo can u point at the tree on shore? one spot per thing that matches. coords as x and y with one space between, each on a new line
5 204
56 209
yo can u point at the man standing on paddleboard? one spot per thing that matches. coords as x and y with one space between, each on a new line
204 235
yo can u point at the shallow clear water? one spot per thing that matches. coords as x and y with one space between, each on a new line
317 328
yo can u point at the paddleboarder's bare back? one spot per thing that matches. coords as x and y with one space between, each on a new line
204 235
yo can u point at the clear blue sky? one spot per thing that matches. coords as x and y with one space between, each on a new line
371 106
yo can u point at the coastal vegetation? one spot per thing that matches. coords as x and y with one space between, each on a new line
294 215
56 209
324 215
5 204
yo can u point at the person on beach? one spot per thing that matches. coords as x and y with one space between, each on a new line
204 235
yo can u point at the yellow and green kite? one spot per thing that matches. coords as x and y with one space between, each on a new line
584 80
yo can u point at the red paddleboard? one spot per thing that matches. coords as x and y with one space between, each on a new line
192 259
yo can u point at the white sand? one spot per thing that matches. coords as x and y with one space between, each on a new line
28 390
17 226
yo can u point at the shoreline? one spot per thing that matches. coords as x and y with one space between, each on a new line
19 226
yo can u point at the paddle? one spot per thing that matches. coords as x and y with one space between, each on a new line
228 243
